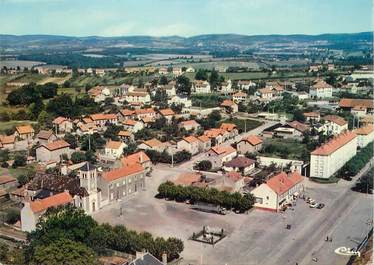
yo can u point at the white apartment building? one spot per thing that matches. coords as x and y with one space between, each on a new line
365 135
327 159
334 125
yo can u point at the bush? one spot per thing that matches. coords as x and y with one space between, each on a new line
19 161
12 215
204 165
165 157
225 199
77 157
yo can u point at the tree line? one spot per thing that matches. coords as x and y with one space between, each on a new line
165 157
230 201
66 235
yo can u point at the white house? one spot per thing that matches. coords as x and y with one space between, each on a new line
132 125
278 191
32 210
218 155
180 100
334 125
138 97
239 97
114 149
190 144
226 87
200 87
320 89
246 85
327 159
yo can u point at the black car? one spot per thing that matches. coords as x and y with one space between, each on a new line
320 205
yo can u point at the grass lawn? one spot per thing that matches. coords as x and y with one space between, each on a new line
28 78
243 124
283 148
5 125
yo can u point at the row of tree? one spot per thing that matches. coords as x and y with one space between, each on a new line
165 157
235 201
32 93
358 162
66 235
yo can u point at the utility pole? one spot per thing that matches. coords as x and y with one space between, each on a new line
172 158
89 142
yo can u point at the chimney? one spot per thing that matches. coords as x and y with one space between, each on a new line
141 157
164 258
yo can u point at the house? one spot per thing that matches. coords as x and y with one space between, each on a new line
240 164
239 97
101 120
114 149
359 111
152 144
204 143
140 158
170 89
168 114
7 182
312 117
365 135
32 210
25 132
349 103
250 144
138 97
230 128
99 93
180 100
145 113
292 129
200 87
217 136
189 125
327 159
266 93
126 136
177 71
218 155
63 124
315 68
278 191
334 124
52 151
229 106
190 144
44 137
232 181
132 125
163 71
246 84
86 128
7 142
226 87
147 259
118 183
320 89
125 114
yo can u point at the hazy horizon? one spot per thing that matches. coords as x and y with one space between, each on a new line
184 18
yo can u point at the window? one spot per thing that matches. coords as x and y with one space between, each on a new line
267 197
258 200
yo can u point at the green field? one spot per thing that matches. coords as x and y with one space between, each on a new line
5 125
284 148
244 124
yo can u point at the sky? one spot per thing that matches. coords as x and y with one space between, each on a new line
184 17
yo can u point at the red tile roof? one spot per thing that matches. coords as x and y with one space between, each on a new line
144 111
283 182
59 120
167 112
129 122
127 112
52 201
56 145
228 126
298 126
124 133
190 139
204 138
334 144
139 157
234 176
214 132
187 179
320 84
227 103
253 139
365 130
240 94
113 144
122 172
24 129
189 123
102 116
153 142
4 139
312 114
335 119
352 102
219 149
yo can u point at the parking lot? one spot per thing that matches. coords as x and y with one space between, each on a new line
259 237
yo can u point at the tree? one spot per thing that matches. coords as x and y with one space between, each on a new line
77 157
19 161
4 250
204 165
214 78
112 132
72 140
64 251
299 116
12 215
90 156
163 80
201 74
183 85
61 106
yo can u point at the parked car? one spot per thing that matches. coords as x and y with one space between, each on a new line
320 205
313 205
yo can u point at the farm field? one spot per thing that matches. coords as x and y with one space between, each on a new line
244 124
5 125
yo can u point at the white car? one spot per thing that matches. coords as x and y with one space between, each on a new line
313 205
